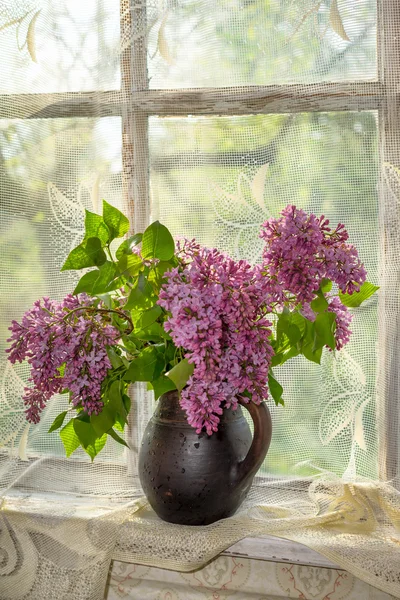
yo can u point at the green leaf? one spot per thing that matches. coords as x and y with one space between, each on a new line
162 385
294 351
308 344
61 369
120 322
153 333
113 411
180 373
275 388
107 299
276 360
146 366
127 403
58 421
282 357
170 354
100 281
158 271
85 431
116 222
281 342
115 394
119 425
69 438
86 282
130 264
107 279
95 227
325 325
126 246
298 320
286 326
117 438
308 334
320 303
326 286
88 254
114 357
149 316
120 421
129 343
157 242
94 449
102 422
142 295
311 354
357 298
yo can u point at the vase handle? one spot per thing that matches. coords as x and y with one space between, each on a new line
261 439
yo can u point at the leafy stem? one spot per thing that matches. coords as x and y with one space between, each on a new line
120 313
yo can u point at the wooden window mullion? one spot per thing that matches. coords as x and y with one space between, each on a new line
388 351
136 98
135 170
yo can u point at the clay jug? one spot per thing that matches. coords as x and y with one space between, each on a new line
194 479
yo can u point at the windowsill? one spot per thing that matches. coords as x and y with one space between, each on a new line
272 549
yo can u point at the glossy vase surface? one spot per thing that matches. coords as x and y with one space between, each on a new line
196 479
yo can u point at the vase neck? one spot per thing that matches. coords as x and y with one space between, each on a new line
168 409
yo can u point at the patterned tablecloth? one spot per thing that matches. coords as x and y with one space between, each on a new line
232 578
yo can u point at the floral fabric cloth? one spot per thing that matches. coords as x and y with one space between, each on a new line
232 578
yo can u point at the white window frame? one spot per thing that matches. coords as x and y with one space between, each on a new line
382 95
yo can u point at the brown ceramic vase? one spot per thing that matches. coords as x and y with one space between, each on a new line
194 479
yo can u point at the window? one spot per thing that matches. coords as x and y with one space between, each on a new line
215 117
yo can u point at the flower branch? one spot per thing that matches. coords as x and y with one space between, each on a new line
120 313
200 322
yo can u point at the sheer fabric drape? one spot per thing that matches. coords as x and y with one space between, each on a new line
210 117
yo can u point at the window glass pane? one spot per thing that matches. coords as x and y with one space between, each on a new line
55 46
243 42
218 179
50 171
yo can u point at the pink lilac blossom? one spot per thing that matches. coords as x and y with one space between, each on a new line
66 350
307 312
301 250
219 307
218 316
291 255
343 320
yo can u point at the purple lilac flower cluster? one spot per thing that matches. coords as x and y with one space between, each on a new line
343 320
65 344
218 316
301 250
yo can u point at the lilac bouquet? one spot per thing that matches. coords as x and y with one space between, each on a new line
188 318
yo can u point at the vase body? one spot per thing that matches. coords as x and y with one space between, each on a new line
196 479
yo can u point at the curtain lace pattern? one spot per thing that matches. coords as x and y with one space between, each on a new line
211 117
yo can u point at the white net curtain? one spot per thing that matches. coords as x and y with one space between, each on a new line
211 117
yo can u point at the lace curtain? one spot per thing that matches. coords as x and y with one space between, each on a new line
211 117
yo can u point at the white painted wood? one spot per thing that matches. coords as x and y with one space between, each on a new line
135 172
261 99
388 356
63 105
205 101
135 147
